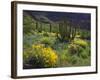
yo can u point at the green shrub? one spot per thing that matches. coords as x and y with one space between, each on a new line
74 49
74 59
80 42
53 34
64 56
47 40
84 55
41 57
84 34
46 34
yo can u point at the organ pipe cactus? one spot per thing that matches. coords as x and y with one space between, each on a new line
66 31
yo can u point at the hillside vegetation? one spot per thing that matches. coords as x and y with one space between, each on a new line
59 44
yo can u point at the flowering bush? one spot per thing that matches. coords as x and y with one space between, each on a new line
80 42
41 56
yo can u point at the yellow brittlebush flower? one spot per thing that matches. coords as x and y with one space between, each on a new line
45 56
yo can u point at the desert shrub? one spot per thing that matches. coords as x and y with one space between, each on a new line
40 56
84 55
64 58
74 49
53 34
80 42
28 40
85 34
47 41
46 34
74 59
